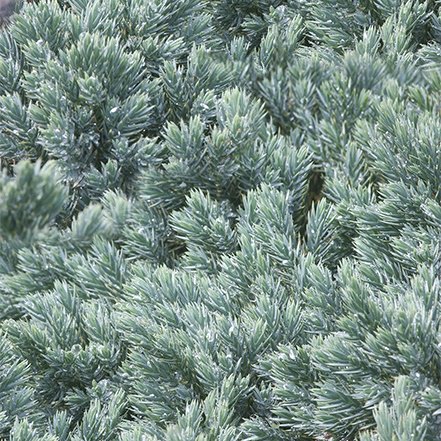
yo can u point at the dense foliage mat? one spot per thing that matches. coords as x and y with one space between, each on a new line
220 220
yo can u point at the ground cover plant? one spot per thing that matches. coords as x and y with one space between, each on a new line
220 220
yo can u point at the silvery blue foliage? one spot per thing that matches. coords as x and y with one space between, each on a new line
220 220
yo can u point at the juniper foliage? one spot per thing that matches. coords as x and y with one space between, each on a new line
220 220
